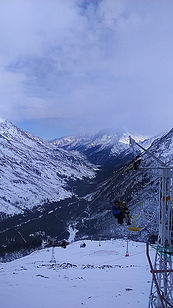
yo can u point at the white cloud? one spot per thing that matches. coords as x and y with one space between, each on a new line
95 62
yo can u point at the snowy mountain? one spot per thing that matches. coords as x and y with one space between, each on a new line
101 148
162 147
33 171
64 191
136 187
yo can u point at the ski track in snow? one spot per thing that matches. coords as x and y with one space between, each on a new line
94 276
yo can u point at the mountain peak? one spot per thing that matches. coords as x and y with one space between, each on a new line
2 120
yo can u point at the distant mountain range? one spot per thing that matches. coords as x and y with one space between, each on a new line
101 148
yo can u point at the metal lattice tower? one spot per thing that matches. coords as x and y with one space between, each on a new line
53 260
161 294
165 217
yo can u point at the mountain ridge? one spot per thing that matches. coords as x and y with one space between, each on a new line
100 148
33 171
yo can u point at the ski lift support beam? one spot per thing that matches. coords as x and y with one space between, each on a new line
132 142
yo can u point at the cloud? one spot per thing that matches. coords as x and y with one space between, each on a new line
93 63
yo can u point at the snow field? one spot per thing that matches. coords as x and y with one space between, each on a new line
100 277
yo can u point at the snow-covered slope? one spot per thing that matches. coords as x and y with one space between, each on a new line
33 171
94 276
100 148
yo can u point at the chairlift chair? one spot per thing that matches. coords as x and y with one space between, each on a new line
134 228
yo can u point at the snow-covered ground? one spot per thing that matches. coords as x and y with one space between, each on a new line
94 276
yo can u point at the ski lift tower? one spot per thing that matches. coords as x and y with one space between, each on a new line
161 294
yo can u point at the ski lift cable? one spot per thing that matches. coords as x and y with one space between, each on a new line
133 143
169 162
111 181
85 210
21 236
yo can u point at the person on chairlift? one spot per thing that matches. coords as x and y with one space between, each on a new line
126 212
117 211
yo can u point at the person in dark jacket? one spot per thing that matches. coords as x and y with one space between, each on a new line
126 212
83 245
117 212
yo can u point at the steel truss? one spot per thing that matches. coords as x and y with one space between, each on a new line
161 294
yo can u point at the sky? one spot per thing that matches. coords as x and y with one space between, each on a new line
74 66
